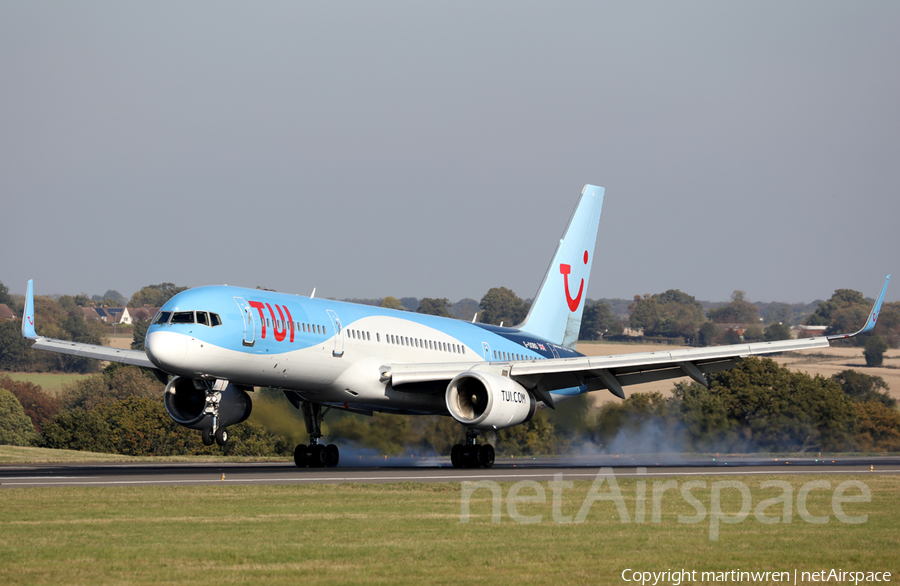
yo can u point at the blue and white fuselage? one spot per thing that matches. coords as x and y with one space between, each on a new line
326 351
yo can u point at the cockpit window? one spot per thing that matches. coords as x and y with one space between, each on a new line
162 317
183 317
205 318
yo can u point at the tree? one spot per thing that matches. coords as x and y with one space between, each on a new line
39 406
670 314
385 433
775 409
139 333
842 299
155 295
118 382
753 333
5 297
464 309
641 423
597 320
13 346
863 388
777 331
874 351
779 313
391 303
708 333
533 438
16 428
878 428
736 311
501 305
434 307
111 297
410 303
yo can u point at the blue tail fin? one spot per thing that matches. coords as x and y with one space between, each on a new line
556 312
28 314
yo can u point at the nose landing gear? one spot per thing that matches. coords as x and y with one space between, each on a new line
472 455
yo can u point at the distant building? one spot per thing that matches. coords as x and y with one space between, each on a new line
139 314
114 315
6 312
90 314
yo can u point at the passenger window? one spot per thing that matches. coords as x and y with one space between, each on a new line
202 318
162 317
183 317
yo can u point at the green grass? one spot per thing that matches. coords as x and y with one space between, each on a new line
50 383
412 534
29 455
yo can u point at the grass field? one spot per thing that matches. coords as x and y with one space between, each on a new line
412 534
50 382
30 455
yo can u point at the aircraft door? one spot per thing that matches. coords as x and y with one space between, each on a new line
338 334
486 348
249 322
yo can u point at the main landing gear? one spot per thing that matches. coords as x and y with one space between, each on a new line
315 455
472 455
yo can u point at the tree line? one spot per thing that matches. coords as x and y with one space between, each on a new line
759 406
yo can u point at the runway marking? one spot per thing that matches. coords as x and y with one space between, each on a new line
448 478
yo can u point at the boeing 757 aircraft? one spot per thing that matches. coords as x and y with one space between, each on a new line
215 344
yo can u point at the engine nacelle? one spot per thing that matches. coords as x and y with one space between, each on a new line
488 401
187 403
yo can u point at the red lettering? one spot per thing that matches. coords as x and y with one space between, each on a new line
279 335
262 317
291 320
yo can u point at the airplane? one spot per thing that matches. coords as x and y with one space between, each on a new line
212 345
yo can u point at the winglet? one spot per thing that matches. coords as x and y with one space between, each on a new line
873 315
28 315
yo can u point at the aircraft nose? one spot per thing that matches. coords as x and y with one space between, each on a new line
166 349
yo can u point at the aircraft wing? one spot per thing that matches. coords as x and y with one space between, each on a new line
135 357
603 372
573 376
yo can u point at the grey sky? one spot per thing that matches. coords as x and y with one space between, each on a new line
437 149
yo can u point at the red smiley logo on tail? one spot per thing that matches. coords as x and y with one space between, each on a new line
30 320
566 270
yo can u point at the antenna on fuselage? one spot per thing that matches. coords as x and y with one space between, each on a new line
313 293
474 317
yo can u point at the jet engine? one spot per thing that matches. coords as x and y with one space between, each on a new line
206 405
488 401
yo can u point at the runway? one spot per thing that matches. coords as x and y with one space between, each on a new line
375 470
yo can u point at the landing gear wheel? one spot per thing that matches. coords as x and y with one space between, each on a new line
332 456
456 457
221 436
207 436
315 456
300 456
473 456
487 455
